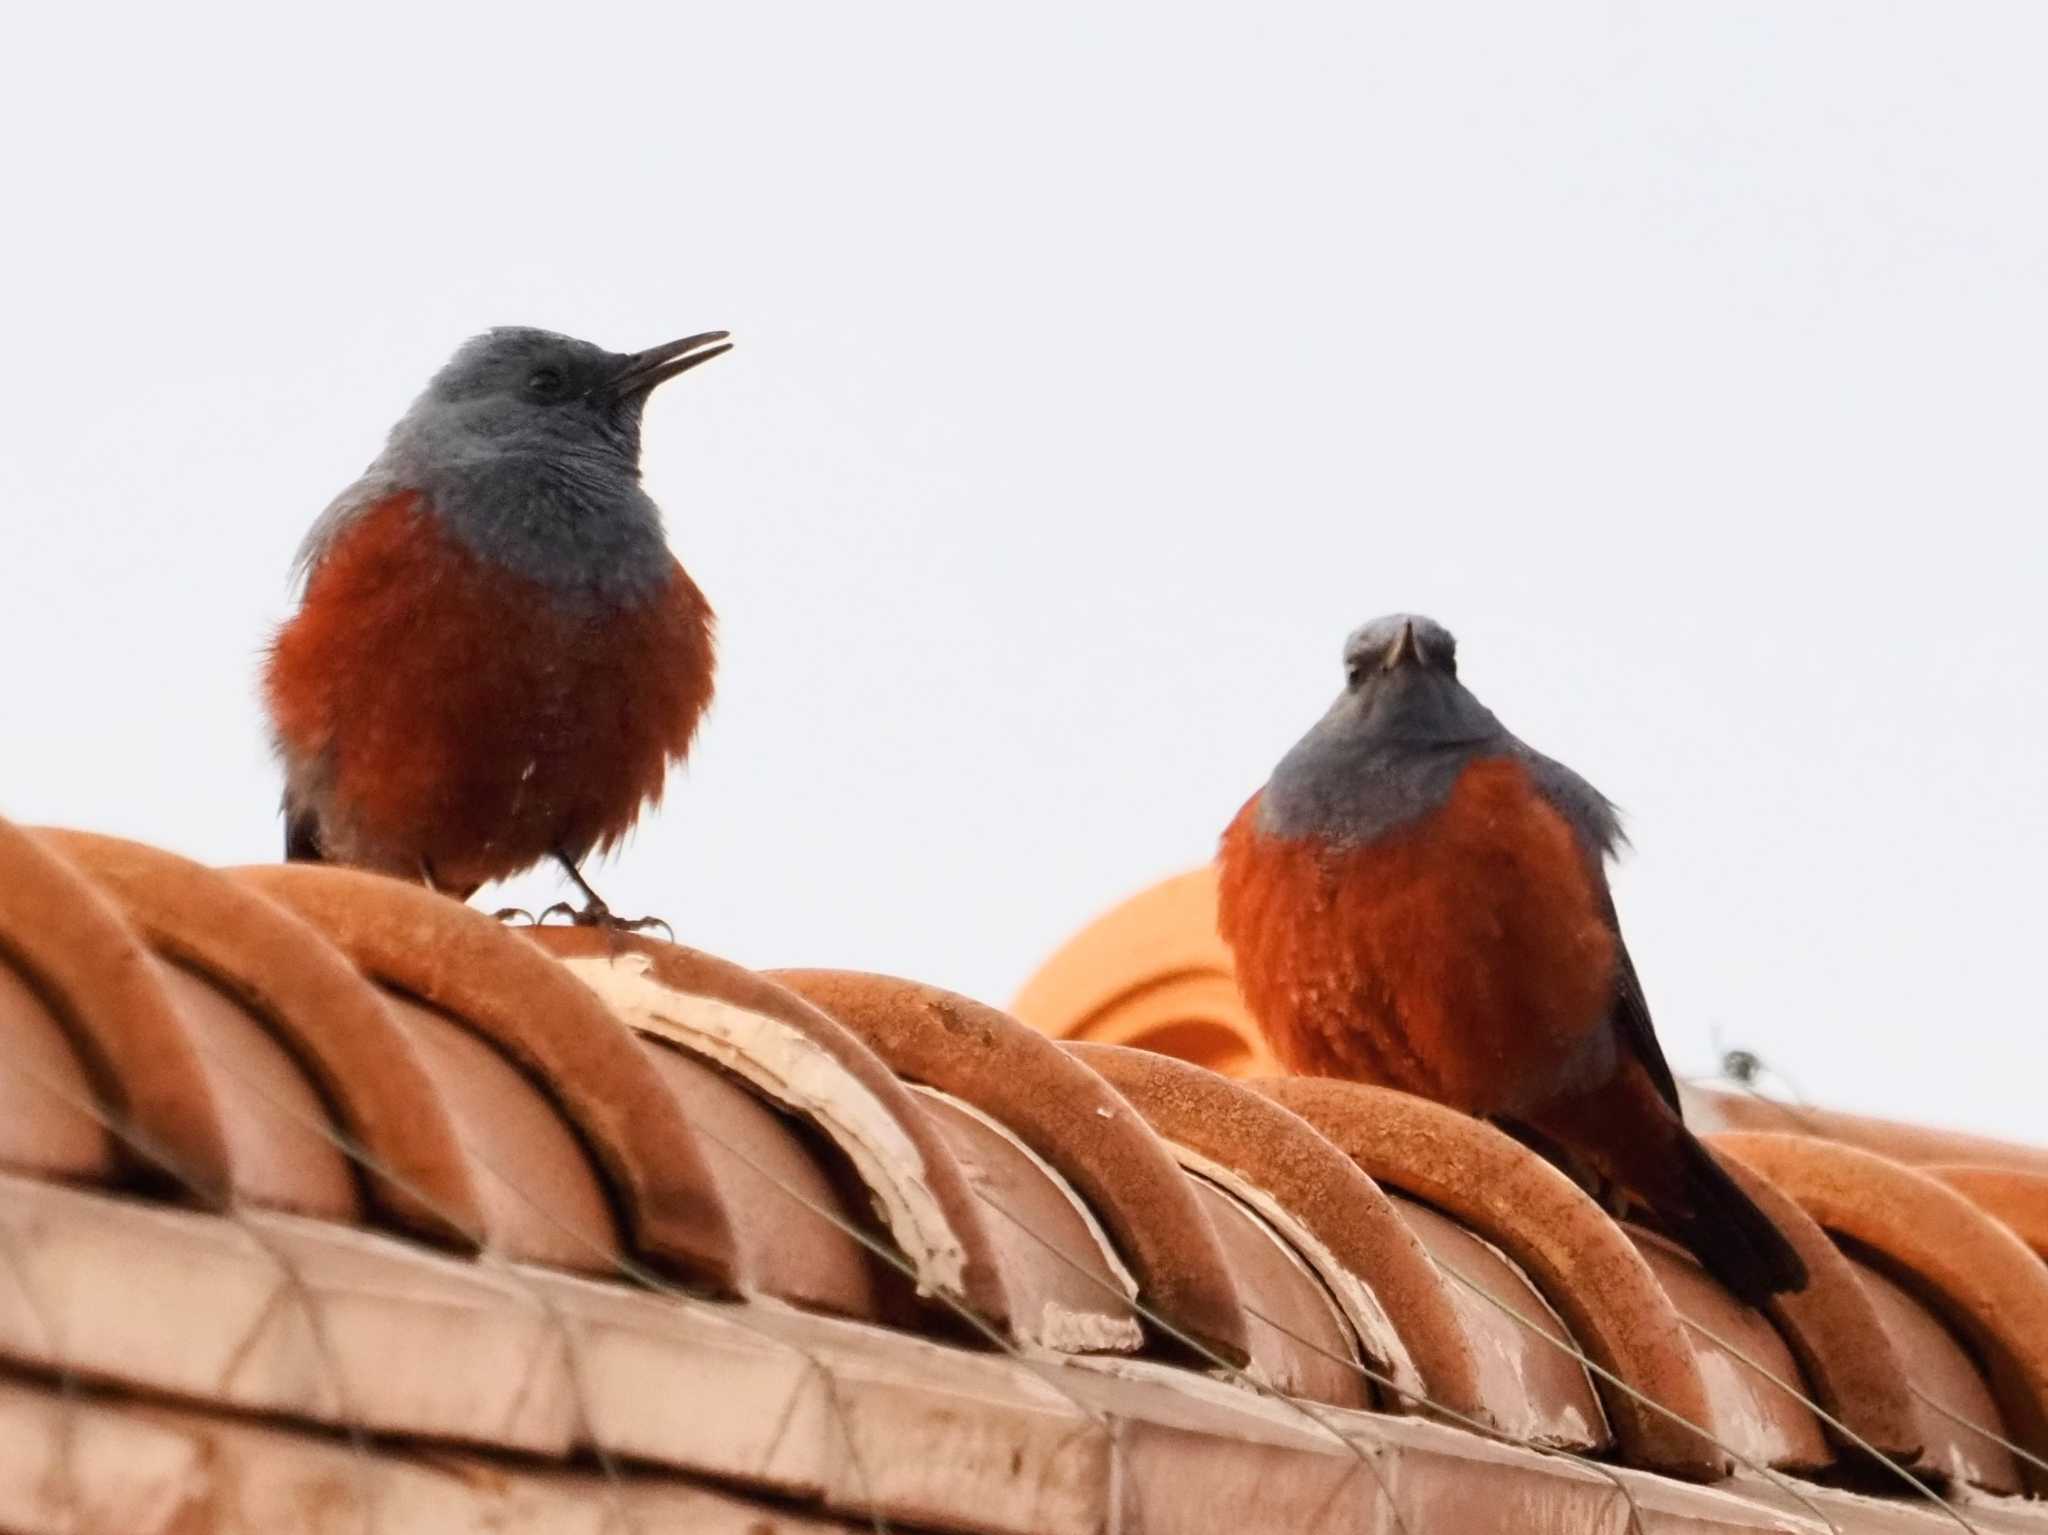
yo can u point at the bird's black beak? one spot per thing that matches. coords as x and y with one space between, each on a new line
1406 647
658 364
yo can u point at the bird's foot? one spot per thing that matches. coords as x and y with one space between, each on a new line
507 913
597 914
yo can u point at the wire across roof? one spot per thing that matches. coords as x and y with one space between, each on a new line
321 1191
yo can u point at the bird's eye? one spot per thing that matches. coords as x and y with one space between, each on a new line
545 383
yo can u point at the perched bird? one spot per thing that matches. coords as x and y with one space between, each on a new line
1419 900
496 657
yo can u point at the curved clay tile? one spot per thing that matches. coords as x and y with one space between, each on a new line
539 1192
1579 1259
1065 1113
468 965
816 1069
1950 1392
1317 1198
335 1024
1301 1344
280 1135
794 1221
1069 1290
1756 1416
1151 972
92 970
1709 1108
44 1128
2020 1199
1983 1278
1843 1349
1534 1391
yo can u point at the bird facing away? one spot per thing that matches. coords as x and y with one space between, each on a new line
1419 900
496 657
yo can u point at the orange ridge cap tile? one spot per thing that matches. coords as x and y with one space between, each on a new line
1068 1115
924 1197
1983 1278
333 1022
549 1023
101 982
1324 1204
1833 1330
2018 1198
1580 1261
1172 924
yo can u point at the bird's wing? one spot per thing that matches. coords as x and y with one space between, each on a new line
1593 821
1632 1011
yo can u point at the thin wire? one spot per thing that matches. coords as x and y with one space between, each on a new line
499 1264
2037 1462
652 1280
296 1281
1466 1420
291 1279
1370 1374
1379 1379
1896 1467
1216 1361
1769 1473
1801 1118
67 1378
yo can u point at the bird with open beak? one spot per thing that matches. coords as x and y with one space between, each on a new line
495 658
1419 900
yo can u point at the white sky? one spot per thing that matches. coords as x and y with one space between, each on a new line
1098 369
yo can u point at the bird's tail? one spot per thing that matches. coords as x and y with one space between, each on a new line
1736 1242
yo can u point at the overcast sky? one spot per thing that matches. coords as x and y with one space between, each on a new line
1098 369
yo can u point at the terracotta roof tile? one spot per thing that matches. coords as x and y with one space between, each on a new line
1336 1217
531 1115
1069 1116
1984 1280
540 1195
1844 1354
2016 1197
92 972
811 1066
1531 1389
1580 1261
1299 1341
1742 1358
44 1126
1952 1391
334 1025
467 965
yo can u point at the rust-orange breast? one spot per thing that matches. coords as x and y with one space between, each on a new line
432 706
1463 957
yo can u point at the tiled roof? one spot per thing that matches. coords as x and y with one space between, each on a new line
327 1203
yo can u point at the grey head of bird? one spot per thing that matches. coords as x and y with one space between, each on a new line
1390 746
526 447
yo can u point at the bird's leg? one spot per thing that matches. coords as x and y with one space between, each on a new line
595 913
502 914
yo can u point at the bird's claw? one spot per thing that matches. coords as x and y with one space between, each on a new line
507 913
597 914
